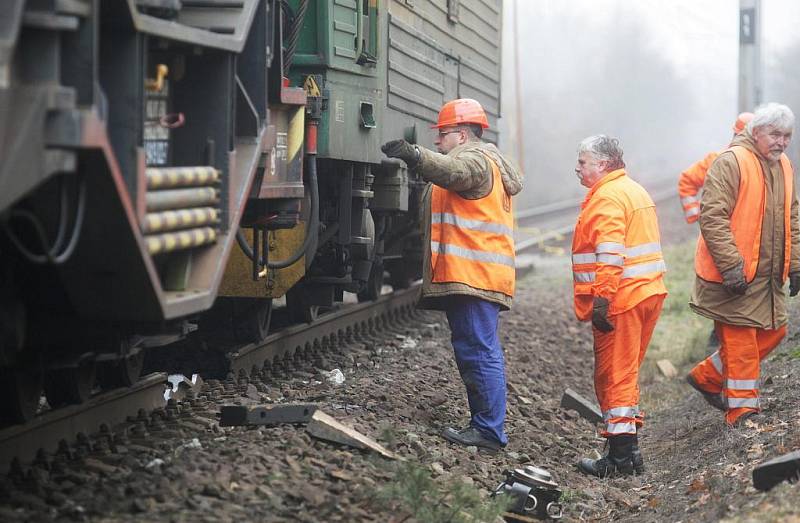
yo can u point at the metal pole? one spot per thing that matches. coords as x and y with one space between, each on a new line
751 89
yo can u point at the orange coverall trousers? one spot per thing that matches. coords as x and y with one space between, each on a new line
735 369
617 357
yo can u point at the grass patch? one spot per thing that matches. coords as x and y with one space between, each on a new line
681 335
416 495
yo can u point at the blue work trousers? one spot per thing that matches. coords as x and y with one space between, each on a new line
473 323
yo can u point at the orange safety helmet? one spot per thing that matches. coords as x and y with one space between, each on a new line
460 112
741 122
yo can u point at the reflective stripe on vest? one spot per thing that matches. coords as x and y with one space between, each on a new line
469 254
472 225
688 200
747 217
693 211
632 268
472 241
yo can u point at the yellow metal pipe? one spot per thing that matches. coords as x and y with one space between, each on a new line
172 177
296 133
180 240
155 222
181 198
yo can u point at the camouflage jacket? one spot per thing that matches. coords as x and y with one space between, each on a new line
465 170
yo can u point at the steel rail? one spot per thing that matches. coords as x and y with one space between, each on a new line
297 339
22 442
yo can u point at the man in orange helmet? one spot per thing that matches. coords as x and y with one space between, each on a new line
692 179
749 246
618 283
469 256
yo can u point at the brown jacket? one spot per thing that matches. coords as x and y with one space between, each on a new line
466 170
764 304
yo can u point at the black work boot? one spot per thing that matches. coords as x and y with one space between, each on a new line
471 437
715 400
619 460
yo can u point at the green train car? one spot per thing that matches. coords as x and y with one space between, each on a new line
174 165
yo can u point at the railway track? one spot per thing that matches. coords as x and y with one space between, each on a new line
122 411
46 432
119 415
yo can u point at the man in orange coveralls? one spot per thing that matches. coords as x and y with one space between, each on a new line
692 179
691 182
749 246
618 282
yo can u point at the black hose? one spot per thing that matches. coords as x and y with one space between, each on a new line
294 35
312 228
51 253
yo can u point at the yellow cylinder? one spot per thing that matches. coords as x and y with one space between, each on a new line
155 222
180 240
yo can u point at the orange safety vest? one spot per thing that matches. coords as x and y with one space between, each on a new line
689 185
616 247
747 217
472 241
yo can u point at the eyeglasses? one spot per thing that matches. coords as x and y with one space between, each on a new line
442 134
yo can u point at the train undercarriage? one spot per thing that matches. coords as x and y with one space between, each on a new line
172 168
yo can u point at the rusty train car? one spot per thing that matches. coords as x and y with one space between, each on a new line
174 165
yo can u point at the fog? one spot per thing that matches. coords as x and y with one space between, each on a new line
660 76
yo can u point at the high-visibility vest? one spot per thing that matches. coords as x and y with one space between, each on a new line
747 218
689 185
472 241
616 247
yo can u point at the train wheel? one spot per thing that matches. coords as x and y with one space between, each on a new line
298 308
399 275
372 290
70 385
121 373
21 390
251 318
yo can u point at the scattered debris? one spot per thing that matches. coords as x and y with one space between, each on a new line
667 368
334 376
194 444
341 475
325 427
408 343
774 471
98 466
181 385
155 463
587 409
233 415
524 400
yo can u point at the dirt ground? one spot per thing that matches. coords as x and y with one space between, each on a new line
402 389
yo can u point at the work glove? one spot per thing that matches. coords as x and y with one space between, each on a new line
794 283
733 280
600 315
403 150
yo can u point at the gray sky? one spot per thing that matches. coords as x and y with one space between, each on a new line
661 75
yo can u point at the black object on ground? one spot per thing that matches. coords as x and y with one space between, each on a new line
769 474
